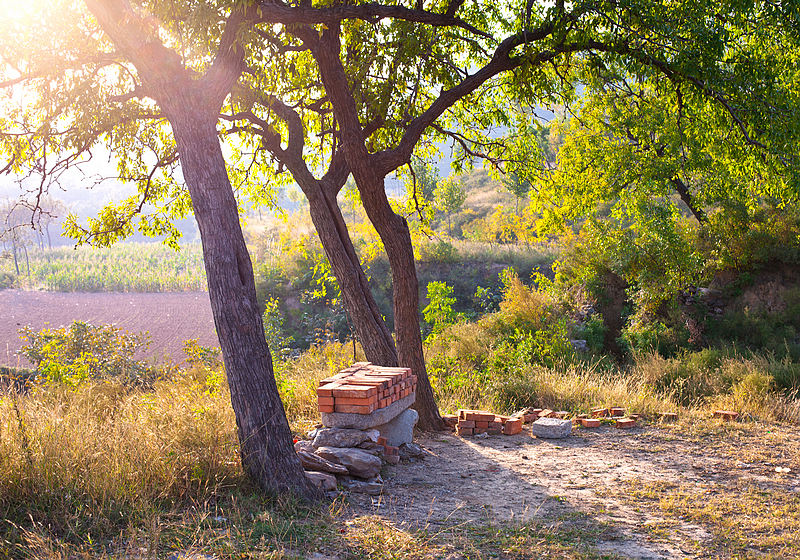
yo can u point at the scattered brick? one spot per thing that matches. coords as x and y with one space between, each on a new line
450 420
562 414
600 412
590 422
546 413
669 416
512 427
727 415
617 411
624 423
464 431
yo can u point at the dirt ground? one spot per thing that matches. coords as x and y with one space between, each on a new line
170 318
594 477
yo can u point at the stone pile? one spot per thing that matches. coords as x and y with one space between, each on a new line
350 458
366 422
364 388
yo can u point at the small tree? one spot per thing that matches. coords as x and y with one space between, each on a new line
449 197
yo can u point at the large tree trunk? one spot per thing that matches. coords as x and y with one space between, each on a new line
366 317
396 237
265 439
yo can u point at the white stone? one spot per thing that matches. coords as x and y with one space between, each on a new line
401 428
551 428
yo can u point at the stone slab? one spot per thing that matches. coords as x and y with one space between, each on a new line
400 429
366 421
553 428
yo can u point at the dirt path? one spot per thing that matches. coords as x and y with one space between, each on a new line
583 480
170 318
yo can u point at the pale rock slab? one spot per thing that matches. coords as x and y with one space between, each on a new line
552 428
401 429
366 421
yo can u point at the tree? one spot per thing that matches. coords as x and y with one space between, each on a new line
107 77
379 88
368 84
449 197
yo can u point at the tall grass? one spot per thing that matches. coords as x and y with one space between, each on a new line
86 462
125 267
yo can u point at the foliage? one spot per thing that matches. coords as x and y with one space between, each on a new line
439 312
277 342
449 197
126 267
82 352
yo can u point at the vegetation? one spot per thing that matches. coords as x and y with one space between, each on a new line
126 267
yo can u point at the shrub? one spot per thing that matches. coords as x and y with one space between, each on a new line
75 354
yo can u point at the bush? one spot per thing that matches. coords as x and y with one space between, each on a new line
75 354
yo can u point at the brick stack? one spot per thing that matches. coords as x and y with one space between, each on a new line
364 388
472 422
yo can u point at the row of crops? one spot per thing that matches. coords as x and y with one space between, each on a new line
125 267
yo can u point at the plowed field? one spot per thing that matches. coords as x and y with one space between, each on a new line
170 318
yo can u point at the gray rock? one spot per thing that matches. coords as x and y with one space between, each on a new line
314 462
358 462
322 480
412 450
551 428
579 345
373 448
365 421
401 429
339 437
303 445
372 487
373 435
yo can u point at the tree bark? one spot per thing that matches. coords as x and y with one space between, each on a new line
393 231
367 321
688 200
265 438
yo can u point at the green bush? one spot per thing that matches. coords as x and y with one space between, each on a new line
80 352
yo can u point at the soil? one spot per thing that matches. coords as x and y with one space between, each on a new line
170 318
584 479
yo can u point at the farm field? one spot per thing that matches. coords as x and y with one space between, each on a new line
170 318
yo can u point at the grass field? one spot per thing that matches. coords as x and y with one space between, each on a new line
125 267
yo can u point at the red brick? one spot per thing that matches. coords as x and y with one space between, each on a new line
590 422
326 408
355 409
464 431
562 414
669 416
617 411
355 391
624 423
496 425
546 413
358 402
512 427
466 424
599 412
727 415
325 401
326 390
450 420
481 424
